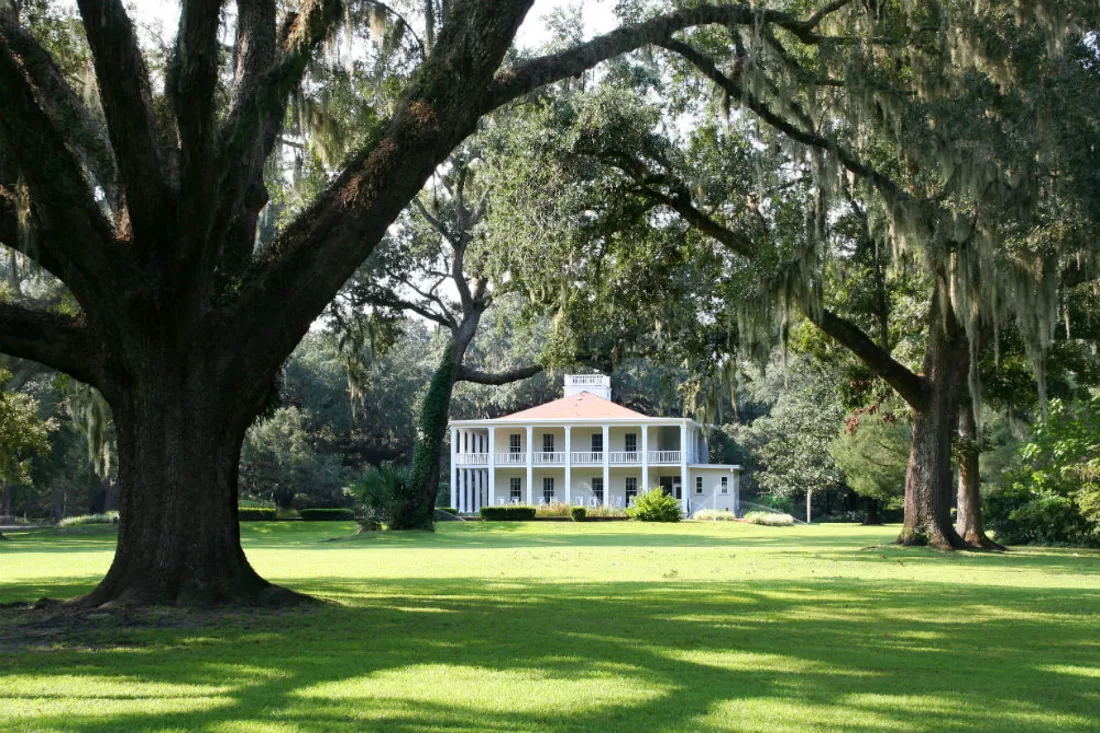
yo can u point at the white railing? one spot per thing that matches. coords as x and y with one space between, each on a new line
664 456
625 458
471 459
549 459
587 380
586 459
511 459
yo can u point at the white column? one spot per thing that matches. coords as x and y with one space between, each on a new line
530 466
568 466
645 459
684 492
737 493
607 465
492 465
461 505
454 469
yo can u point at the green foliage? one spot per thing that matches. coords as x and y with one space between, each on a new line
23 436
792 442
512 513
873 452
655 506
1052 495
89 519
448 509
778 503
578 513
257 514
279 461
769 519
381 493
327 514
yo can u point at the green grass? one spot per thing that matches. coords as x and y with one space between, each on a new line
568 627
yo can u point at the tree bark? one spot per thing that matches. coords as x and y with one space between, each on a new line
179 442
928 483
418 512
969 523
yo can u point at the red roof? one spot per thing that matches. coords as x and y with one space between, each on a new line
579 406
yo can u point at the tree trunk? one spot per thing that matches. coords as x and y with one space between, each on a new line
179 442
872 517
5 500
418 511
969 523
928 482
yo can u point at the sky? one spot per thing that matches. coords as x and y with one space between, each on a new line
599 17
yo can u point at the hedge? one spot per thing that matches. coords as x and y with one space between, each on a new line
327 515
578 513
256 514
448 509
512 513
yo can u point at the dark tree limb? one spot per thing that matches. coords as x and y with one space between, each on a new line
909 386
58 341
123 82
71 236
69 113
466 374
192 78
539 72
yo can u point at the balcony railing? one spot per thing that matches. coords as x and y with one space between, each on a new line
549 459
614 458
664 456
587 380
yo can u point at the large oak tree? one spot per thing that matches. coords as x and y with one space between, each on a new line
145 206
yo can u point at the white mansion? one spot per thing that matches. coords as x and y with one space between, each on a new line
585 450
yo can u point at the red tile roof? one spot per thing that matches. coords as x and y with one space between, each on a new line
578 406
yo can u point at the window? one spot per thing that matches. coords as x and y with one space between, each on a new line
631 442
547 442
631 489
515 489
725 485
597 443
698 484
515 444
548 489
597 489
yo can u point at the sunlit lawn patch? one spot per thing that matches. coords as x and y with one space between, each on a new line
569 627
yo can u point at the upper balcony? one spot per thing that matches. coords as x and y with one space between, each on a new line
576 458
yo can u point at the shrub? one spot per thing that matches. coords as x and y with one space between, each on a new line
382 494
553 509
448 509
771 501
255 504
512 513
86 519
655 506
604 511
769 519
256 514
327 515
715 515
578 513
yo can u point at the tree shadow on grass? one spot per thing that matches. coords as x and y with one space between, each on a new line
470 654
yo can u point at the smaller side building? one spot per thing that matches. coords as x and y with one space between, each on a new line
585 450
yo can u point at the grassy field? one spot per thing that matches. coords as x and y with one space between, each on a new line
563 627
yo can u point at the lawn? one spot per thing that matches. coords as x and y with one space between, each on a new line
569 627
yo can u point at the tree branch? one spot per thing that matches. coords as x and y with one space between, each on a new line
466 374
908 385
52 339
86 134
123 82
192 78
706 66
72 237
539 72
